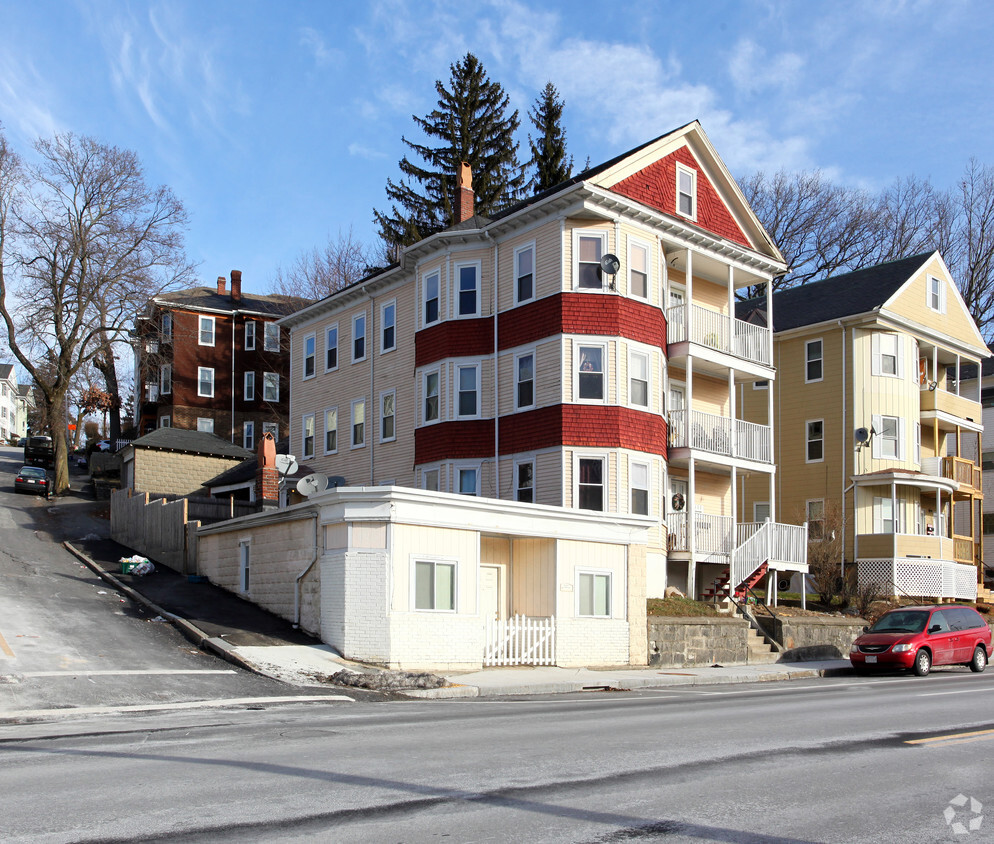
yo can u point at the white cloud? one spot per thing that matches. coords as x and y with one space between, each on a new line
323 55
753 70
361 151
23 94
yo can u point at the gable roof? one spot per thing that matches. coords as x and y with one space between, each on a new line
6 369
208 297
245 471
190 442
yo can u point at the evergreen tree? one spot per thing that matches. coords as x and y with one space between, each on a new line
549 148
473 125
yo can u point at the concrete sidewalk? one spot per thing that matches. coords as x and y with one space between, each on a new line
259 641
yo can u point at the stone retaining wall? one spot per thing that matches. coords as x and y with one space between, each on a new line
678 642
812 637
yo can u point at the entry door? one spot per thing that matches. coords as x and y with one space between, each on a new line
489 592
676 420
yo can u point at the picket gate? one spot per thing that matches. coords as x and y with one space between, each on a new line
520 640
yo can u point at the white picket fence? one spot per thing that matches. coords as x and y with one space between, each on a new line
520 640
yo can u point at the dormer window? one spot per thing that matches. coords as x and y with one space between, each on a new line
686 192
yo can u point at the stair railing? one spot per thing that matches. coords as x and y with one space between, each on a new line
750 616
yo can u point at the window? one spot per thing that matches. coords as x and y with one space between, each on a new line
524 481
888 433
638 269
166 378
358 338
166 329
388 332
205 424
388 430
524 273
307 436
429 480
205 381
270 386
816 518
591 373
760 511
309 356
434 586
249 335
271 338
431 313
467 481
524 369
165 422
816 441
248 435
760 385
431 396
936 295
358 423
885 354
331 430
813 361
638 375
918 443
468 279
271 428
686 192
883 516
467 399
594 594
249 388
638 480
591 483
244 564
331 348
206 331
590 249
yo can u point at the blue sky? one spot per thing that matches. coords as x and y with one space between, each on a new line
277 124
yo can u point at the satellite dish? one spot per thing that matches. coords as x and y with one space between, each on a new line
862 435
312 484
286 464
610 264
336 481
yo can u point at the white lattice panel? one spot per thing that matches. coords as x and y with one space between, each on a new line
880 572
919 578
966 583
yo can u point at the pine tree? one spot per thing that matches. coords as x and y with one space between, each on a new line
472 122
549 149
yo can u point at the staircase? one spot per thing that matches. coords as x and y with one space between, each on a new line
719 590
985 595
760 652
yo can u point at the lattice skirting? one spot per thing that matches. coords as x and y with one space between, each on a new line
919 578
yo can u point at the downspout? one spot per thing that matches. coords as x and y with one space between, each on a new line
842 527
489 237
310 565
234 318
371 353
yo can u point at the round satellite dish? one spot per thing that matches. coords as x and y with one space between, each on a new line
312 484
610 264
286 464
862 435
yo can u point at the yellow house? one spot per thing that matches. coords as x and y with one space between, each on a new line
877 436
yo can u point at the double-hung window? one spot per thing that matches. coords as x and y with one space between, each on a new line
524 368
205 381
816 518
249 335
271 428
524 273
590 484
524 481
307 436
590 374
388 416
166 378
638 269
248 434
331 348
434 586
594 594
468 279
388 329
885 520
248 390
815 436
468 480
331 430
270 386
358 338
638 377
936 295
205 424
167 328
638 480
886 354
310 354
686 191
468 390
888 436
271 337
590 248
206 331
431 288
813 361
431 409
358 423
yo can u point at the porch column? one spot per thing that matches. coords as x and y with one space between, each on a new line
733 413
894 516
691 530
688 310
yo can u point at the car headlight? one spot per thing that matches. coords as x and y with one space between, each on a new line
854 648
900 649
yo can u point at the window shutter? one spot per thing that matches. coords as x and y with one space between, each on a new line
900 355
875 354
902 448
878 425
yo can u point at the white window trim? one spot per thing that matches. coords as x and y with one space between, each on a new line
524 247
352 423
807 513
165 422
457 290
324 429
808 440
277 380
524 461
683 168
577 234
383 397
638 243
942 294
250 335
424 397
245 566
205 429
201 319
266 333
444 561
821 359
877 448
755 509
877 355
455 391
384 349
305 454
577 346
476 467
248 426
313 357
605 483
760 385
328 347
647 465
166 328
642 353
437 272
896 515
427 470
271 428
610 591
918 443
517 357
365 337
248 386
200 382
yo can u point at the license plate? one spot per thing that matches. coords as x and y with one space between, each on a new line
31 481
871 659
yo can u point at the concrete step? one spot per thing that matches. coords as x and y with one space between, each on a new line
759 651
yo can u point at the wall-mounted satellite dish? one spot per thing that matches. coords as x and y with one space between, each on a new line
610 264
312 484
336 481
286 464
862 435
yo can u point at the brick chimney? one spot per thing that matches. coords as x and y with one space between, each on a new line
267 476
464 183
221 282
236 285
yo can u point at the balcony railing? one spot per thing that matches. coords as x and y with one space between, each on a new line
719 331
712 534
957 469
720 435
919 578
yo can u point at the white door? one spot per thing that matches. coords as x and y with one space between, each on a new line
489 592
676 418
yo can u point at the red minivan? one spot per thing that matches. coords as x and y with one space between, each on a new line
917 638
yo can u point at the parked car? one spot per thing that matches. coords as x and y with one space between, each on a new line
33 479
23 441
40 451
916 638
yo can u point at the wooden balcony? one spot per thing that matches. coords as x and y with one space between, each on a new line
945 404
964 472
720 332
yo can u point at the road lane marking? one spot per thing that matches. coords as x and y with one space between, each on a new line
957 692
5 648
955 738
111 673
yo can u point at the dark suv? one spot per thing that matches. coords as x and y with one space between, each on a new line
917 638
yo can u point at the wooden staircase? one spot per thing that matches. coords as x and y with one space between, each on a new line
719 590
984 594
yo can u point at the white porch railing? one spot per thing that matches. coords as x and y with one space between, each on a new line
768 542
719 331
712 534
723 435
919 578
520 640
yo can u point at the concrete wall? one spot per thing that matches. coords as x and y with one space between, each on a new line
688 642
174 473
814 638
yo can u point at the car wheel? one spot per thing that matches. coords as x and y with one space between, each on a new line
923 663
979 661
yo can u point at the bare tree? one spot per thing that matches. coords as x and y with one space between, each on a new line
971 256
84 240
321 272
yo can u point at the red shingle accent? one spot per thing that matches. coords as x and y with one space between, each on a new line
459 440
454 338
589 426
656 186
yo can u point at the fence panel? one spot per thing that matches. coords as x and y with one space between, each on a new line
520 640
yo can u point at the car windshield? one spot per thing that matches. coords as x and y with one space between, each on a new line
32 472
900 622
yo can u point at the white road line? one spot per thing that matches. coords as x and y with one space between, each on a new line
165 707
957 692
109 673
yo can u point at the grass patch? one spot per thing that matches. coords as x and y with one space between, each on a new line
678 607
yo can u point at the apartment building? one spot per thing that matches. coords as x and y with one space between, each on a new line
214 360
878 434
578 350
9 401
